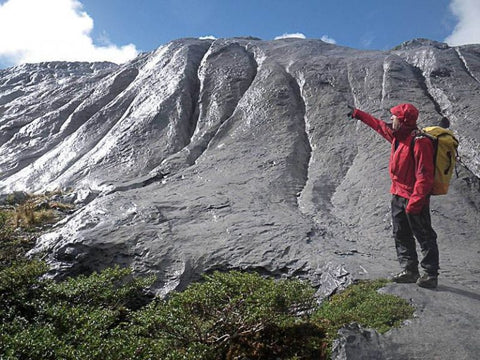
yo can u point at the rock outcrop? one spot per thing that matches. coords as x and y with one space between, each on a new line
238 154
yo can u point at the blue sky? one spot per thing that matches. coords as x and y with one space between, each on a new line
113 30
375 24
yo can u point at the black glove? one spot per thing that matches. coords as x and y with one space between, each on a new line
350 112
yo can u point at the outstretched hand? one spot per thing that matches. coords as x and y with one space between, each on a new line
350 111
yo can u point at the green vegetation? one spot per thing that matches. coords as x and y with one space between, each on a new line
81 318
21 220
232 315
363 304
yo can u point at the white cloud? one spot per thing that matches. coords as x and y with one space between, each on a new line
328 39
50 30
208 37
467 31
290 36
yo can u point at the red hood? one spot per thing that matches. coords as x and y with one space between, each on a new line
406 113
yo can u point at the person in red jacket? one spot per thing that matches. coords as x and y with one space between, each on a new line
411 169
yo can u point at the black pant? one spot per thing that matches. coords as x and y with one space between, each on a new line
405 227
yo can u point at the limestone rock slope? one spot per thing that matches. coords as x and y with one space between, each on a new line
238 154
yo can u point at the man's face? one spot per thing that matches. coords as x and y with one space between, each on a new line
396 123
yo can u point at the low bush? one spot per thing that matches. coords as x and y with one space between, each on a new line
79 318
238 315
13 244
230 315
363 304
6 225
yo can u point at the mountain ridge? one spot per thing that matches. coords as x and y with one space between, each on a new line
238 154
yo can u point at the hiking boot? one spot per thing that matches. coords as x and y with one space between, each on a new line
406 276
428 281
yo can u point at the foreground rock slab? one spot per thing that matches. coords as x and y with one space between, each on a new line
446 324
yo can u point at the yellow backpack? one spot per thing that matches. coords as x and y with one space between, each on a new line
445 145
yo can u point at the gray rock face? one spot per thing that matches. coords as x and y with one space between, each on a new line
238 154
357 343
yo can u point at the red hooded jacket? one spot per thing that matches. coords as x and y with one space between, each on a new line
412 172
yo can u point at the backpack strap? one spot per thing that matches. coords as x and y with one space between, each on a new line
418 134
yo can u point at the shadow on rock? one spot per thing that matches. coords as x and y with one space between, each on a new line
468 294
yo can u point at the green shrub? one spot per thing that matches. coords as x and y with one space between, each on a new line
9 244
20 290
230 315
113 287
79 318
363 304
6 226
238 314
